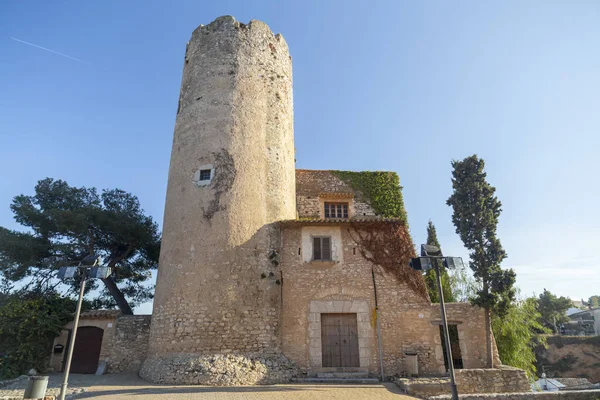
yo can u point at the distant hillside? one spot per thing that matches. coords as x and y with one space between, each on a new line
570 357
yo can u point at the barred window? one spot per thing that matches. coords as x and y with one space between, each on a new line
322 248
205 174
336 210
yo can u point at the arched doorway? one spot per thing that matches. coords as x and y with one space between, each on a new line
86 353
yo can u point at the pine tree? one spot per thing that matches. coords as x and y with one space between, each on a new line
65 223
475 215
430 279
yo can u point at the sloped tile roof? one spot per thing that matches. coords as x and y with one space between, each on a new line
574 383
330 221
100 314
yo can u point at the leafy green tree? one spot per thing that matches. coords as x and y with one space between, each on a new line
65 223
463 285
553 309
475 215
518 333
594 301
29 322
430 278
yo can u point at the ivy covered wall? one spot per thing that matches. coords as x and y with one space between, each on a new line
381 189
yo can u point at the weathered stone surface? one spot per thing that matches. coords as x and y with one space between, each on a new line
310 185
571 357
496 380
219 369
235 288
130 346
217 289
409 323
503 379
560 395
103 319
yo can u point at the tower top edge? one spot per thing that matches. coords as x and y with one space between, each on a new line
229 23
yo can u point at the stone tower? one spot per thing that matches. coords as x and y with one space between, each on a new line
231 177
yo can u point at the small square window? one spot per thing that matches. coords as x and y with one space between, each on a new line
205 174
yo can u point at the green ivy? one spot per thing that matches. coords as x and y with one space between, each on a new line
380 189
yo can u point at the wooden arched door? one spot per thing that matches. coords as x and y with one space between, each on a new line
86 353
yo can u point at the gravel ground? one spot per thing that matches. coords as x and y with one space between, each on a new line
17 389
124 386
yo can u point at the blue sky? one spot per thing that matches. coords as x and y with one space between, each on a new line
394 85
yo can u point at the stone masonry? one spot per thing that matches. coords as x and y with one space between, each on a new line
130 347
235 118
251 264
103 319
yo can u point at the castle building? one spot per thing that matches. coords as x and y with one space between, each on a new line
268 272
271 263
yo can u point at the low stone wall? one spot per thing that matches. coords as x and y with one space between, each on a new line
497 380
219 369
130 345
561 395
424 387
494 380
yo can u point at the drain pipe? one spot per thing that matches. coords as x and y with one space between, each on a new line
378 325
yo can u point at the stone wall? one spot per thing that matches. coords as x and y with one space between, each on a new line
130 344
220 369
496 380
470 322
314 187
561 395
409 322
104 319
571 357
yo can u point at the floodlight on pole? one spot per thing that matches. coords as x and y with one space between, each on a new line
69 272
429 250
453 262
430 256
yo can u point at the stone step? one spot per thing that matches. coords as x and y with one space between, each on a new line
343 375
343 381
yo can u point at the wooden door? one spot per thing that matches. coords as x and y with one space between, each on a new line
86 353
339 340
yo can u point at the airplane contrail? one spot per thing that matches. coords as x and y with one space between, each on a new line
50 50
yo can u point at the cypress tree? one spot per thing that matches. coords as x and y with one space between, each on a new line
430 279
475 215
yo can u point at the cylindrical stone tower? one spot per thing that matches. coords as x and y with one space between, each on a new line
232 175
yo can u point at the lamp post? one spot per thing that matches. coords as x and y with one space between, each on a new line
69 272
430 256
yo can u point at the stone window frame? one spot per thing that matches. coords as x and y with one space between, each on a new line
363 320
334 252
198 174
336 197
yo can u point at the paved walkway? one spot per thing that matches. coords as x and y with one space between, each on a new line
124 386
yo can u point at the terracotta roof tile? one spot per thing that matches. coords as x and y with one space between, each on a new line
100 314
329 221
574 383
